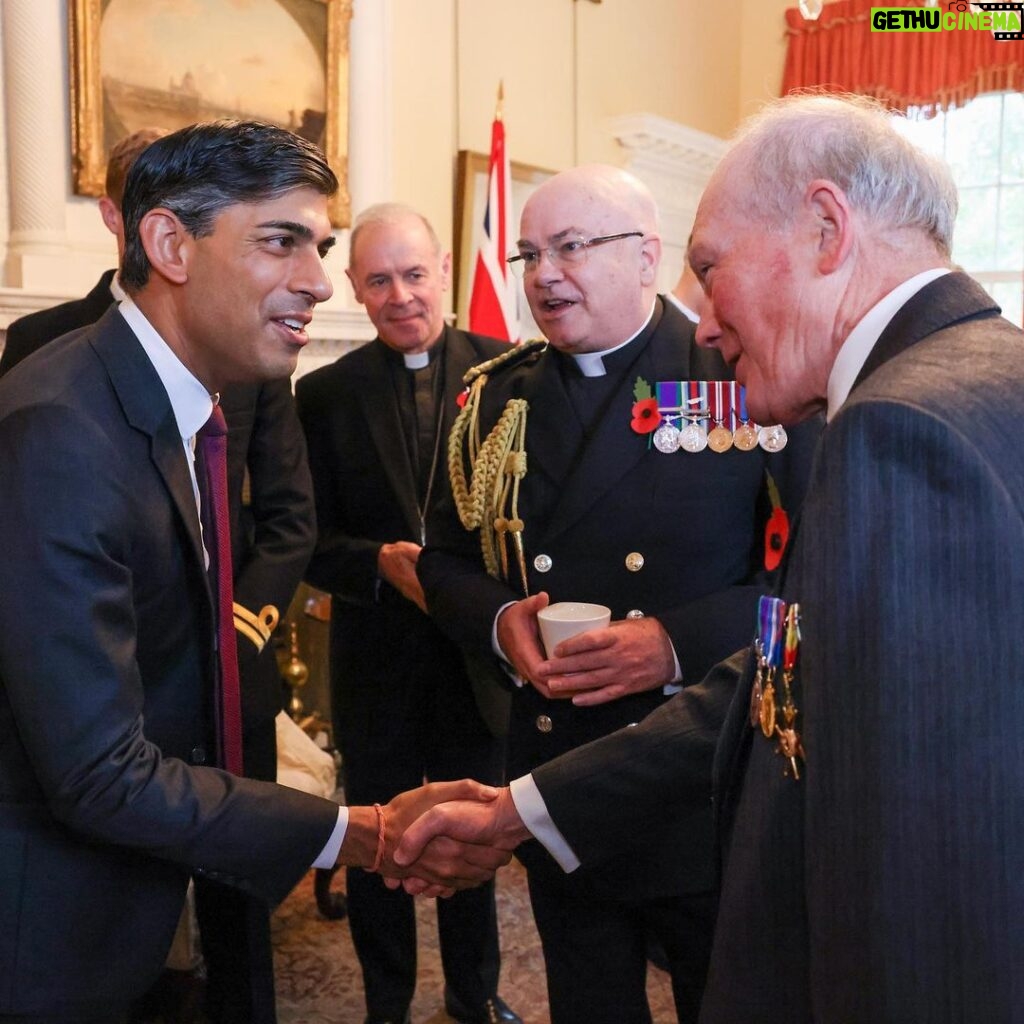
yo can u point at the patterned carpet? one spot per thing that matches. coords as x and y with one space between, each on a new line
318 978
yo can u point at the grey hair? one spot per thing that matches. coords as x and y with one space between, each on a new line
389 213
852 141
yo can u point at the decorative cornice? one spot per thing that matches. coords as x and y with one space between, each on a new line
659 141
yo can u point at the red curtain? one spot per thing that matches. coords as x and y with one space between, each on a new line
931 70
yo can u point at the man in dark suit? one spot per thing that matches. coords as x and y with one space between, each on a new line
110 679
671 542
403 704
872 843
272 535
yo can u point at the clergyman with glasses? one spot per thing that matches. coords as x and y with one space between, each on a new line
584 507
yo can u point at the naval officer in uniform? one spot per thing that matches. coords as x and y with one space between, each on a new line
671 540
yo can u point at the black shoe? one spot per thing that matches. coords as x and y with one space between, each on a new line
494 1011
388 1020
331 905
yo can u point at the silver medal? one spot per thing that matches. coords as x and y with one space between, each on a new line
693 438
666 439
773 438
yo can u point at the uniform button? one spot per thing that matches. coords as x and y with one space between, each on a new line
634 613
198 755
634 561
542 563
544 723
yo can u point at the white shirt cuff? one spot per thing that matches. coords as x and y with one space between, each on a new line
534 812
329 854
496 647
677 680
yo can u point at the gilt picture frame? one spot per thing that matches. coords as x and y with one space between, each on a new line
158 63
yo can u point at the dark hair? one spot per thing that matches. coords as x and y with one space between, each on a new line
198 171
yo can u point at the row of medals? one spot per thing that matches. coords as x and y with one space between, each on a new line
669 438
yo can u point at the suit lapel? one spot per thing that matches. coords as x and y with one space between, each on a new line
380 409
148 409
614 449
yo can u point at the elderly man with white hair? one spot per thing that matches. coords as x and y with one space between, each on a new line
870 774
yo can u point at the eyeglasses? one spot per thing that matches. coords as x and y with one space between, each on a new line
570 253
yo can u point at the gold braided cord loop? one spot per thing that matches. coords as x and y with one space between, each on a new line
489 500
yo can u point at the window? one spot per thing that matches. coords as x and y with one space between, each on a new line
984 144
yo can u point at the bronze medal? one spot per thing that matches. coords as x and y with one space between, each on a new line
720 439
767 715
745 437
756 702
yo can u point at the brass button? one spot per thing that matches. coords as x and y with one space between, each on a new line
542 563
634 561
544 723
634 613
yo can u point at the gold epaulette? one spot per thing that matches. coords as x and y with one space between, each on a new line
515 355
489 499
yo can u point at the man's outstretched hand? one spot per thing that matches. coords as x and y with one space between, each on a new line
441 870
457 833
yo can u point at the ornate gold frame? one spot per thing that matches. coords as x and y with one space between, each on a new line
88 156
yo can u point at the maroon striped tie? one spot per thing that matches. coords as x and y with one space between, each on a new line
213 444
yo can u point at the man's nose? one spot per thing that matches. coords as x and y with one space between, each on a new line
708 330
547 269
400 292
313 278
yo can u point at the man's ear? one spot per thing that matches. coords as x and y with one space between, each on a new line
650 257
167 244
355 284
111 215
832 224
446 271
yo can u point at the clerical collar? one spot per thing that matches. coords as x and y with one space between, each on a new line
591 364
862 339
416 360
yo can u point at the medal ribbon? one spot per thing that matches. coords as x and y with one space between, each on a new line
771 614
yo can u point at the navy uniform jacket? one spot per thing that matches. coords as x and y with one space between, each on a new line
106 677
886 884
589 502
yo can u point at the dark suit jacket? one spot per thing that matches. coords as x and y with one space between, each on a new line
106 674
28 333
366 497
272 534
589 502
885 885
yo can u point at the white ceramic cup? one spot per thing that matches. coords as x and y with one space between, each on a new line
564 619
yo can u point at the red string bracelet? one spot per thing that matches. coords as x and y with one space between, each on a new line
381 830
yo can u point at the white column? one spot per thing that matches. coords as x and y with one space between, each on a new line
37 138
370 114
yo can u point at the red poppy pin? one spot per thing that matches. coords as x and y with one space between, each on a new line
776 531
645 409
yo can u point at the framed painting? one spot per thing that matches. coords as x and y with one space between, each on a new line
170 63
470 204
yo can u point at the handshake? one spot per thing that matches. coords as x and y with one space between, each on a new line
436 839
